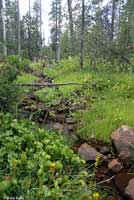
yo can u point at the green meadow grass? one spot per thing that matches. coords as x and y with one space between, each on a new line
111 94
104 117
26 78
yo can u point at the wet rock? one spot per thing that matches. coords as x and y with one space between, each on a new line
122 180
60 118
129 190
123 141
70 120
88 153
115 166
104 150
58 127
70 127
65 130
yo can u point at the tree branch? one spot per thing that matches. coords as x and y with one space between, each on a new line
47 84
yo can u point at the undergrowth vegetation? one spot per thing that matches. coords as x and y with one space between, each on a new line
50 96
9 93
109 96
26 78
33 166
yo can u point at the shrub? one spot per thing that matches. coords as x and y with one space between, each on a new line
8 91
17 62
9 70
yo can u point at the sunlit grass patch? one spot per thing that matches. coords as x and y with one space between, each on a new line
37 66
110 97
26 78
77 77
104 117
63 67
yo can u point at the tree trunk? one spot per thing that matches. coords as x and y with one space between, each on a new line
40 29
19 33
0 21
4 29
57 32
72 35
29 32
82 34
113 19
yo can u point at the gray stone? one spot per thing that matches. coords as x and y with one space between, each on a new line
129 190
58 127
123 141
115 165
88 153
104 150
60 118
70 120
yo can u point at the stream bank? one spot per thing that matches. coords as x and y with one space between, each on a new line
59 117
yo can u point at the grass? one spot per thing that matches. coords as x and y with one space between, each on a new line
79 77
37 66
111 94
68 71
26 78
104 117
112 106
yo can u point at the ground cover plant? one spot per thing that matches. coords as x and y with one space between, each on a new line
26 78
36 164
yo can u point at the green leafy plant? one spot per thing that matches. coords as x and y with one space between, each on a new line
50 96
36 164
16 61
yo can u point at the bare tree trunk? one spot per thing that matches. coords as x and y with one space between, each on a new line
57 32
82 34
71 25
4 29
40 28
113 19
19 34
1 20
29 32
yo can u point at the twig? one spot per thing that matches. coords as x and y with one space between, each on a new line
107 180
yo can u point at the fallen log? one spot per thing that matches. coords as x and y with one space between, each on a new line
47 84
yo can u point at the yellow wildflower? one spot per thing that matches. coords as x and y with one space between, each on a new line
90 197
96 195
97 161
52 165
